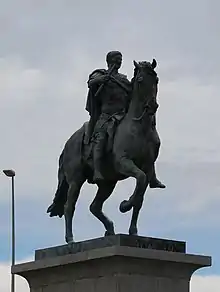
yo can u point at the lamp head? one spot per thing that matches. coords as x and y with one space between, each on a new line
9 172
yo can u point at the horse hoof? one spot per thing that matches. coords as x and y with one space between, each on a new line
125 206
133 231
110 230
69 240
108 233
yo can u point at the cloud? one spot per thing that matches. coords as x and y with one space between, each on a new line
205 283
46 58
48 49
21 284
37 118
198 283
18 81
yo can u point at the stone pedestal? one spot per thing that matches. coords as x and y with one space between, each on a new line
119 263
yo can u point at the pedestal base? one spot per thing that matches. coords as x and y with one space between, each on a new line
117 263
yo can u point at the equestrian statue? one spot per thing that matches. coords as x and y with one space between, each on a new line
119 141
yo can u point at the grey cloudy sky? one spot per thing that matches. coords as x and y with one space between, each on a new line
47 50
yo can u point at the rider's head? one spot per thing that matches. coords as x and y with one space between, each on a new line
114 57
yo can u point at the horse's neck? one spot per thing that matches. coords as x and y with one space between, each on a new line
136 110
136 105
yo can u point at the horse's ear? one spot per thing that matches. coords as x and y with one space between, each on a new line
136 65
154 64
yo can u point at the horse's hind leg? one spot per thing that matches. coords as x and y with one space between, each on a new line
69 208
105 189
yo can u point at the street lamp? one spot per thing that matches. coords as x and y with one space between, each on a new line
11 173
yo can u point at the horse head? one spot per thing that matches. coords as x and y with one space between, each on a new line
145 83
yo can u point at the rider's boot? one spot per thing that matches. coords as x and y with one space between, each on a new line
154 182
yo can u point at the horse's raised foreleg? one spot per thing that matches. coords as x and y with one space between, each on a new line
69 208
128 168
105 189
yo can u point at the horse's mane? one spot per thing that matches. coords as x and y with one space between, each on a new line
134 76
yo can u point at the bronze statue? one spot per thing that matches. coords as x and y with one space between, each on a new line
107 103
120 141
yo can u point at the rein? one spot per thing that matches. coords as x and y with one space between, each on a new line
146 106
143 113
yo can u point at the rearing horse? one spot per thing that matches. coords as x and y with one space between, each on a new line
135 149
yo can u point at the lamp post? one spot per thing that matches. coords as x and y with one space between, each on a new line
11 173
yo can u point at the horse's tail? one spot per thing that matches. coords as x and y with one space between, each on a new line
57 207
73 145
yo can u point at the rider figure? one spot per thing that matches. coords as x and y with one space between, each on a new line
108 108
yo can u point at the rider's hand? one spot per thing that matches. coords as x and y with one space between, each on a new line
98 80
105 78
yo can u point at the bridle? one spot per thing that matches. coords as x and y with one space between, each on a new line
147 104
146 107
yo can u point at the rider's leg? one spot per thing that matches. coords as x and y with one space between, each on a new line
154 182
98 150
